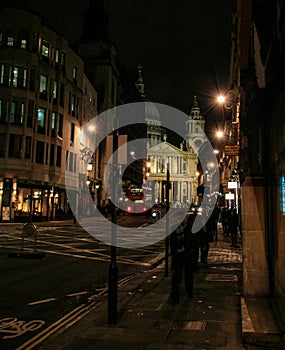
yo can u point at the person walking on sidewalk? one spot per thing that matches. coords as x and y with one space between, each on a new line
233 225
191 242
178 261
184 250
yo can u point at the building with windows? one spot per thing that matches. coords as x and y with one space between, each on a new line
44 99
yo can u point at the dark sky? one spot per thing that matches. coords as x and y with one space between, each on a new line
183 45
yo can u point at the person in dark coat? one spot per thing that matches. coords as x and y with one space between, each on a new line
233 225
185 250
178 261
191 242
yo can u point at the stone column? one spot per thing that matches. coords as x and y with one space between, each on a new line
255 269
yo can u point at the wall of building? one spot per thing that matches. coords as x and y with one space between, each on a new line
44 100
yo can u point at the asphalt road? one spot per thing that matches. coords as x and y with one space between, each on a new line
49 293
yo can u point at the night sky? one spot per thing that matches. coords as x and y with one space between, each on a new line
183 46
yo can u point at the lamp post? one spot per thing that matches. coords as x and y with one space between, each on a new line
231 102
167 220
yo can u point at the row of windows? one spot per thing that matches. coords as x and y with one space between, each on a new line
43 153
48 53
15 113
17 77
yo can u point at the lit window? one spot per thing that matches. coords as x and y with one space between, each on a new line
10 41
43 86
73 103
41 120
10 76
2 72
53 123
57 56
45 49
15 76
23 43
22 115
74 73
24 77
13 112
43 83
54 90
63 59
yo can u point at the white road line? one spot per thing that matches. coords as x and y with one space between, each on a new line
76 294
42 301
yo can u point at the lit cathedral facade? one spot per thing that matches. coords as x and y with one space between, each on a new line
181 161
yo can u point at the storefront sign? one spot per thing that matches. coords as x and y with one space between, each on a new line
232 150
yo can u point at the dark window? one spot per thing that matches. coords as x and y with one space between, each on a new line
33 79
30 115
2 144
28 147
15 146
61 95
58 156
72 131
51 156
3 111
40 151
60 125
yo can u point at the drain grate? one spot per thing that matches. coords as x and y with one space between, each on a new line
185 325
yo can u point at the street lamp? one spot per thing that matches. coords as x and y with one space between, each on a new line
231 102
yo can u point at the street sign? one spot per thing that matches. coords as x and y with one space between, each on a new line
232 150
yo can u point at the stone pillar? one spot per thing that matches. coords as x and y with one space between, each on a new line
255 269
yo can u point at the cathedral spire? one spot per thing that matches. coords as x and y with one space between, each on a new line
140 82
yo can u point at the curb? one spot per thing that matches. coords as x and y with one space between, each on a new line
259 325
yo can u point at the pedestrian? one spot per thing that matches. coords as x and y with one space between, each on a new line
191 242
178 261
185 251
233 225
204 245
205 237
225 221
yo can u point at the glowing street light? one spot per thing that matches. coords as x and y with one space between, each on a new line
221 99
219 134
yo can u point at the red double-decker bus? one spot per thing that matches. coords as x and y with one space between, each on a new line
136 201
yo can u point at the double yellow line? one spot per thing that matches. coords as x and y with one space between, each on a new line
72 317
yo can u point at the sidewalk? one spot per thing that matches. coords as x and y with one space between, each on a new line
147 320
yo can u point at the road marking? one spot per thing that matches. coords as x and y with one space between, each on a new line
64 322
72 317
14 328
76 294
42 301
